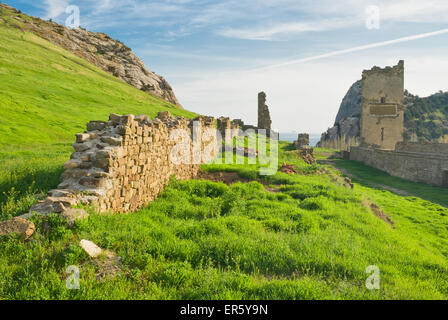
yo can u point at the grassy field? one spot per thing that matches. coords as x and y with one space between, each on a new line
300 236
372 177
310 238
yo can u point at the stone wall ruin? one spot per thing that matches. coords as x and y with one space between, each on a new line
415 166
124 163
302 144
264 117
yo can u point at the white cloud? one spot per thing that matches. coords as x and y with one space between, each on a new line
273 31
324 15
54 8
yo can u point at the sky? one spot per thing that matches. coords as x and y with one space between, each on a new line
305 54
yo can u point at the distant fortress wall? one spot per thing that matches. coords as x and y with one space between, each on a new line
340 143
382 124
123 164
428 147
430 168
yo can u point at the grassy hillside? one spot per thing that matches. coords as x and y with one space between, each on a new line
46 96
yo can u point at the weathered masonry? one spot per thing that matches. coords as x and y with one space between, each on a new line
123 164
382 125
382 106
430 168
264 117
302 144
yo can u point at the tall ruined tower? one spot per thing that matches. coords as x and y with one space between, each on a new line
382 106
264 118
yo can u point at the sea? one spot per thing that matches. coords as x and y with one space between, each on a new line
291 137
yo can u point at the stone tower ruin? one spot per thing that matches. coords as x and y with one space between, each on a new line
264 118
382 107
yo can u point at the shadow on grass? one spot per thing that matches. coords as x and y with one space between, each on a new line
372 177
26 175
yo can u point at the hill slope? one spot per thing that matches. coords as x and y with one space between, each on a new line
48 94
99 49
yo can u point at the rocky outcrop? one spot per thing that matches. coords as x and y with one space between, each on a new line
101 50
351 103
346 130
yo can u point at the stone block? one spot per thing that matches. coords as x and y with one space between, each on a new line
91 182
116 118
113 141
90 248
80 147
71 164
82 137
96 125
19 226
70 215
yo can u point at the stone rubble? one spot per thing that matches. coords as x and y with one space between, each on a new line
90 248
302 144
17 225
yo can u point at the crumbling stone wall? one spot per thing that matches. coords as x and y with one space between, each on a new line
423 147
123 164
228 129
302 144
240 123
342 136
382 107
264 117
303 140
423 167
339 143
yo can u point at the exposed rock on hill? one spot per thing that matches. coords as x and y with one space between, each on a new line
346 130
351 103
104 52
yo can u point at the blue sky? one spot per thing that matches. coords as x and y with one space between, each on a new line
219 54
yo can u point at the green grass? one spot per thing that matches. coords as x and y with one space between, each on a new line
372 177
203 240
309 237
